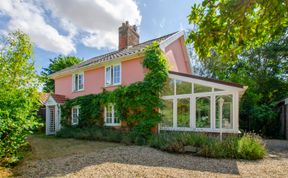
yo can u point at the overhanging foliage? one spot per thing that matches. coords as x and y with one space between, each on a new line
227 27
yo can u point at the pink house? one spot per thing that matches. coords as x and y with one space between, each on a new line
124 66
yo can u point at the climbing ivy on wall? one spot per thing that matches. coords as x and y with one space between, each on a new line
136 104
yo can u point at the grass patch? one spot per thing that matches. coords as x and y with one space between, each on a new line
248 146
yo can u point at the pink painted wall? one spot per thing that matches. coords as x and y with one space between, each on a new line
176 54
131 71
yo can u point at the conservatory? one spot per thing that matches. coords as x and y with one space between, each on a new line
199 104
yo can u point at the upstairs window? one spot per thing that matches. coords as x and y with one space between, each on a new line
75 115
113 75
78 82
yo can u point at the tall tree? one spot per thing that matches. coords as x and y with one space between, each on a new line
18 95
57 64
265 71
228 27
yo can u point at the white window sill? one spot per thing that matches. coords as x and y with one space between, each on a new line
76 91
112 124
113 85
199 129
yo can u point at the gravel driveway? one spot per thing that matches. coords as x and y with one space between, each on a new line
140 161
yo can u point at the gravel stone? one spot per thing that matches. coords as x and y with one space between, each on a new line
141 161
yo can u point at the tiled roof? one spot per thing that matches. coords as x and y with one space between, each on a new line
59 98
43 97
115 54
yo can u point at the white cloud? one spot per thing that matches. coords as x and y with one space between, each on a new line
27 17
101 40
99 19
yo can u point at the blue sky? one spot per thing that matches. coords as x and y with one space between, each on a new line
88 28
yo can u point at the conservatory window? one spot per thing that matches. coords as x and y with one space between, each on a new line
194 106
167 113
218 89
227 111
168 88
203 116
183 87
201 89
183 112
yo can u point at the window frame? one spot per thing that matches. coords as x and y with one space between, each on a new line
111 74
113 116
77 113
225 90
74 82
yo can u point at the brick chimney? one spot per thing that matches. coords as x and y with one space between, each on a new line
128 35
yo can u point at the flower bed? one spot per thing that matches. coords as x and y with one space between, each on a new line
248 146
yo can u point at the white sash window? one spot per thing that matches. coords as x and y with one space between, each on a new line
78 82
113 75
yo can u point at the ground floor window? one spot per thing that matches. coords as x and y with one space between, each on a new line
198 112
167 114
110 117
225 111
203 112
75 115
183 112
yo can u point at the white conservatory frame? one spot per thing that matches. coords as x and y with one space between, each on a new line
235 90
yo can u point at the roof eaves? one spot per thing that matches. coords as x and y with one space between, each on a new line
209 80
92 65
163 44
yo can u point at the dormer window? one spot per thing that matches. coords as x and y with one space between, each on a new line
78 82
113 75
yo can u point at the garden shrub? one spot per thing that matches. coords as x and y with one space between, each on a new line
175 141
251 147
18 96
94 133
246 147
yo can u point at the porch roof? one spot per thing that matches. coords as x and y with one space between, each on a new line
59 98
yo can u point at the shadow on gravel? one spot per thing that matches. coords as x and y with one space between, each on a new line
127 155
277 148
